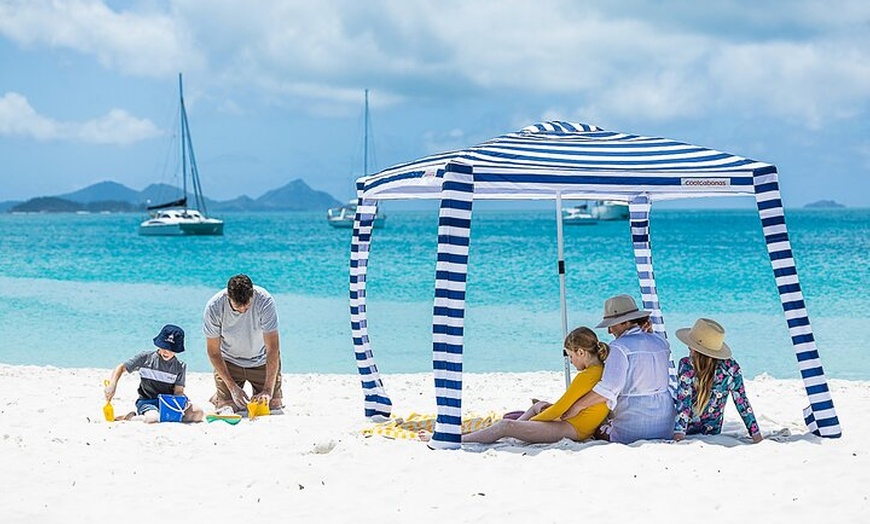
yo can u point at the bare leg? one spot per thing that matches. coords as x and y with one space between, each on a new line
151 416
536 408
128 416
528 431
193 414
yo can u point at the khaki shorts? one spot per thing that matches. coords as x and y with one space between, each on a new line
257 378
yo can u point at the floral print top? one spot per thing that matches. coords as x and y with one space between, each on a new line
726 379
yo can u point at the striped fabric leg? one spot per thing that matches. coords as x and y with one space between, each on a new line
820 416
448 315
376 400
639 209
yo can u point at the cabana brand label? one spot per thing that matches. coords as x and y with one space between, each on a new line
705 182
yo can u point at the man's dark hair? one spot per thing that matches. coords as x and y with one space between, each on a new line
640 321
240 289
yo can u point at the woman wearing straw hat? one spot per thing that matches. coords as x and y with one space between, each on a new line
706 377
635 380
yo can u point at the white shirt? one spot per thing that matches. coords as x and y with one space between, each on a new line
241 334
635 384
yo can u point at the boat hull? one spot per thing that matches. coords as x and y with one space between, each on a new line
347 223
580 221
342 217
210 227
609 210
578 216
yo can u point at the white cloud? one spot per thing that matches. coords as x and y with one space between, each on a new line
144 44
610 60
450 140
863 152
814 82
797 60
19 119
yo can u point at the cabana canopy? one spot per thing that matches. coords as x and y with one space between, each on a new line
556 160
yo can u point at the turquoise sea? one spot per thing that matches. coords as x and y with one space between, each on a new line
87 291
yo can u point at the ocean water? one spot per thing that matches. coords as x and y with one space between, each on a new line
87 291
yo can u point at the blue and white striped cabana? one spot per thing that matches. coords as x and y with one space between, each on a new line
561 160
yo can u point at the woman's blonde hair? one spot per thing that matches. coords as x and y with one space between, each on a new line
586 339
705 367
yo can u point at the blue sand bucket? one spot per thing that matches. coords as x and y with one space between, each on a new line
171 407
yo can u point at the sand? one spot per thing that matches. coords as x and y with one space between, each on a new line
61 462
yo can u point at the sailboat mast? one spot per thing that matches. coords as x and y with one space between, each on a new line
182 117
366 137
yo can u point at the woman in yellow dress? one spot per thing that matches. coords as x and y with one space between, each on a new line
541 424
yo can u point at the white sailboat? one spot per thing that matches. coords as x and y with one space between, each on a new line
342 216
591 211
578 216
177 218
609 210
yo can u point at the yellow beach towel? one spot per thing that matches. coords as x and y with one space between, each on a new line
406 428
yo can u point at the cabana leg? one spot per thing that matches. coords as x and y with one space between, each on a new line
820 416
377 403
448 315
563 302
639 208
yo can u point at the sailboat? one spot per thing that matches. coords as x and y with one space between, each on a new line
610 210
342 216
591 211
177 218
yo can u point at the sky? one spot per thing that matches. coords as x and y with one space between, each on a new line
274 90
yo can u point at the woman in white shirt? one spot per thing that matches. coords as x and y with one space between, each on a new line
635 381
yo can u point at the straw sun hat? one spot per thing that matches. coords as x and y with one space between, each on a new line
620 309
706 337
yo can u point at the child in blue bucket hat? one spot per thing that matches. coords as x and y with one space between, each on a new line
160 373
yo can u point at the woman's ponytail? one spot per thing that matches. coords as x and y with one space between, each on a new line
602 349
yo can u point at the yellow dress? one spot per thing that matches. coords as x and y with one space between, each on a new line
588 420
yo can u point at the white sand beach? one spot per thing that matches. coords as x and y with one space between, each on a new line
61 462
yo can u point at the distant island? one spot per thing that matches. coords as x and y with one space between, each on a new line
113 197
824 204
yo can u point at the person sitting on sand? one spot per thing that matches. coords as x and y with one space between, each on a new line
160 373
541 424
706 377
635 380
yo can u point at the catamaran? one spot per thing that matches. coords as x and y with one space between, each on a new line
177 218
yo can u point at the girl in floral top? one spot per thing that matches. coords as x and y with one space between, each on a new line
706 377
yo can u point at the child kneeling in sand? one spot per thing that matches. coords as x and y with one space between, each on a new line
160 374
706 377
542 424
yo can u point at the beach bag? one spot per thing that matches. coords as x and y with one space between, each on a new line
171 407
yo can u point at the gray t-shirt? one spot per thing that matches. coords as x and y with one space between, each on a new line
157 376
241 334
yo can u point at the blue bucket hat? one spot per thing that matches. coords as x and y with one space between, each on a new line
171 338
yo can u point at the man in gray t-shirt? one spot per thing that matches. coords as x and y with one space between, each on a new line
240 324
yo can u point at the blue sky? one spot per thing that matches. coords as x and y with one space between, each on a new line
274 90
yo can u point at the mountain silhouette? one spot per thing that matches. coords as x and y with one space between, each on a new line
109 195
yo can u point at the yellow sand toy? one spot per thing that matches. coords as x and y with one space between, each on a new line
259 408
108 409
